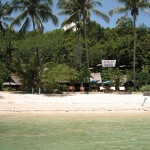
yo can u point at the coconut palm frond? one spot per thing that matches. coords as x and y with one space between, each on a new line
147 12
5 11
2 28
25 26
70 19
6 25
122 1
34 8
94 3
66 22
44 7
101 14
70 28
8 18
122 9
51 17
39 23
19 18
49 2
120 20
65 12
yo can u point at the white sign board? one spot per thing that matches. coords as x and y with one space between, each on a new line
108 63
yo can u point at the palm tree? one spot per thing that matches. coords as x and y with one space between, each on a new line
5 11
80 11
70 7
86 7
132 6
27 69
35 12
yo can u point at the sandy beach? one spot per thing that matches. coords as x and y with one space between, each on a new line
17 102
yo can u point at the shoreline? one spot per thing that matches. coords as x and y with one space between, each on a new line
73 103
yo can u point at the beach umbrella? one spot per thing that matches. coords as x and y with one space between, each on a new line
106 82
94 81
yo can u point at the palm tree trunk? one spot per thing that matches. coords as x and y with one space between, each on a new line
87 54
78 46
39 53
134 55
37 46
86 46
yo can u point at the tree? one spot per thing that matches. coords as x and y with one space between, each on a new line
82 76
55 74
4 73
125 26
132 6
27 69
5 11
143 76
70 7
86 7
80 11
35 12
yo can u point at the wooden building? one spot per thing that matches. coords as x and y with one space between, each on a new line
12 82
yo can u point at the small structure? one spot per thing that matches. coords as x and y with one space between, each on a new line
95 78
122 88
102 88
13 82
112 88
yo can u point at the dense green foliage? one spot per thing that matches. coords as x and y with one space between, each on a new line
134 7
4 73
59 53
55 74
60 48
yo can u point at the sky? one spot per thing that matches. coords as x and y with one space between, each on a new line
107 5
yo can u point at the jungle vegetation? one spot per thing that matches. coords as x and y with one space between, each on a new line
59 56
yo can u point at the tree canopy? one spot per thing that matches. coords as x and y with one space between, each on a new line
59 50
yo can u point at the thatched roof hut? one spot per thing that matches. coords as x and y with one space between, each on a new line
95 78
12 81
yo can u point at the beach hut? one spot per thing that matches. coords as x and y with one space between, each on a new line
12 82
95 78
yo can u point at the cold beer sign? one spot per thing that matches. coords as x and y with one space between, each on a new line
108 63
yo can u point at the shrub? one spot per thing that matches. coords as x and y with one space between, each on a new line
145 88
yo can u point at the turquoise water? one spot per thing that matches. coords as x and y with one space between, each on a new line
75 132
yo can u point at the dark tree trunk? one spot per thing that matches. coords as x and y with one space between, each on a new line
87 54
134 53
38 52
78 45
37 47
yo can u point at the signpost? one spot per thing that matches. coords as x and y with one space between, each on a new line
108 63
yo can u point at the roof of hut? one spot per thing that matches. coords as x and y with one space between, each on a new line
12 80
96 77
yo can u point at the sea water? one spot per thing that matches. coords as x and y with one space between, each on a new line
75 132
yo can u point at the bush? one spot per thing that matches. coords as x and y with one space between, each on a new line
54 74
4 73
130 89
8 89
63 87
145 88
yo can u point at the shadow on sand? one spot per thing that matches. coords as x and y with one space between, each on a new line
47 94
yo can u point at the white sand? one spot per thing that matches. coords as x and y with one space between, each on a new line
11 102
